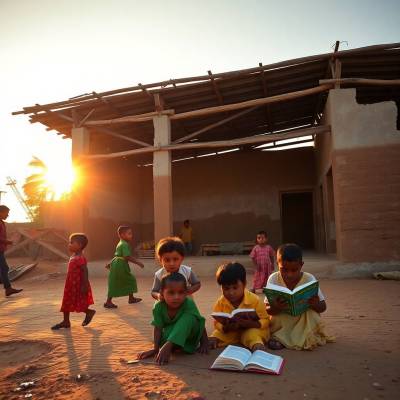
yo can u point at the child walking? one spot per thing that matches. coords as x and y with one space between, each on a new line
177 321
303 332
121 281
77 291
171 252
263 256
251 333
4 243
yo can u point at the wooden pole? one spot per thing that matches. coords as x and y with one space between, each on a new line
361 81
214 125
213 110
220 143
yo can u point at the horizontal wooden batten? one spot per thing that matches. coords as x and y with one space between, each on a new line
215 144
361 81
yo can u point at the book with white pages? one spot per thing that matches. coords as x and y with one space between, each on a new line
238 313
235 358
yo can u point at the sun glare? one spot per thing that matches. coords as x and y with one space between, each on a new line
60 179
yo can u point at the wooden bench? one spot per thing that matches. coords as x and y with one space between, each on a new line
215 248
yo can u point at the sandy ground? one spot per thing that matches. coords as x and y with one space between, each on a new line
363 364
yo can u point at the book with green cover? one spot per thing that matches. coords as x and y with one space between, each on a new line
296 299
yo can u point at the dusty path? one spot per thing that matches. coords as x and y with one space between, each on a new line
363 364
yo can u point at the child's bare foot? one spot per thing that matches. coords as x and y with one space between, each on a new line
258 346
62 324
146 354
133 300
10 291
109 304
274 344
89 317
213 342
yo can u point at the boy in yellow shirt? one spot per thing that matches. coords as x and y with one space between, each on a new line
251 333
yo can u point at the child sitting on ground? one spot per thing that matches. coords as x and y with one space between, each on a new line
177 321
77 291
249 332
121 281
263 257
171 252
302 332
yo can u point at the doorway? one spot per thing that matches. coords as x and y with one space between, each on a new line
298 218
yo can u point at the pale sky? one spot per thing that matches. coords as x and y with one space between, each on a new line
51 50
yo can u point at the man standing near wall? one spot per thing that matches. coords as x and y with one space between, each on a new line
187 237
4 210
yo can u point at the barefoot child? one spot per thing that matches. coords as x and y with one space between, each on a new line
171 252
248 332
4 242
302 332
77 291
177 321
263 256
121 281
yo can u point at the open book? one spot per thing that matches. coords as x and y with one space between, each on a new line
236 358
296 299
239 313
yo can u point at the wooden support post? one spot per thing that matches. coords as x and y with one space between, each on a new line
80 148
162 180
338 73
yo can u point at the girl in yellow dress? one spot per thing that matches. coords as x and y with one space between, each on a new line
302 332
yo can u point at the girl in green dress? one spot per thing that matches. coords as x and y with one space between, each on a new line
177 322
121 281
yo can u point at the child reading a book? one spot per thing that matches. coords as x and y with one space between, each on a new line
121 281
263 257
177 321
251 332
302 332
77 291
171 252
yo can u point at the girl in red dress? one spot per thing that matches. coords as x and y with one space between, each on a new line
77 291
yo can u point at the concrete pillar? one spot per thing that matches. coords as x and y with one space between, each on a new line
162 181
79 198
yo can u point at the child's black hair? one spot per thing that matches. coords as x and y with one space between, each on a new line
186 220
172 277
170 244
262 233
80 238
290 252
4 208
230 273
123 228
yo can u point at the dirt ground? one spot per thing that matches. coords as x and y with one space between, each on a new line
363 364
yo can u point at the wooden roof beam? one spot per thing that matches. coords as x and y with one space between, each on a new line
361 81
216 144
216 89
267 108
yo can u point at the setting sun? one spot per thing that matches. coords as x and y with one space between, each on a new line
60 179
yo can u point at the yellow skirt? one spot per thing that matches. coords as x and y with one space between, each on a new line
304 332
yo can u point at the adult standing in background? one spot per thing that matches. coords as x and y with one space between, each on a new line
187 236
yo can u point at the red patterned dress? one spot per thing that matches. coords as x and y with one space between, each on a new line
262 256
74 300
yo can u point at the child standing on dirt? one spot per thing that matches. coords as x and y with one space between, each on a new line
177 321
263 257
251 333
121 281
77 291
4 242
171 252
302 332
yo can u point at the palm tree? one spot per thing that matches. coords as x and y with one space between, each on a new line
36 187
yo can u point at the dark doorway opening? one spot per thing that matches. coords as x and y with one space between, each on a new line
298 219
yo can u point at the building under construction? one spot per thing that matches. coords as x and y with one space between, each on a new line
218 150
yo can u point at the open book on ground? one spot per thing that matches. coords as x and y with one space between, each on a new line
235 358
296 299
239 313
